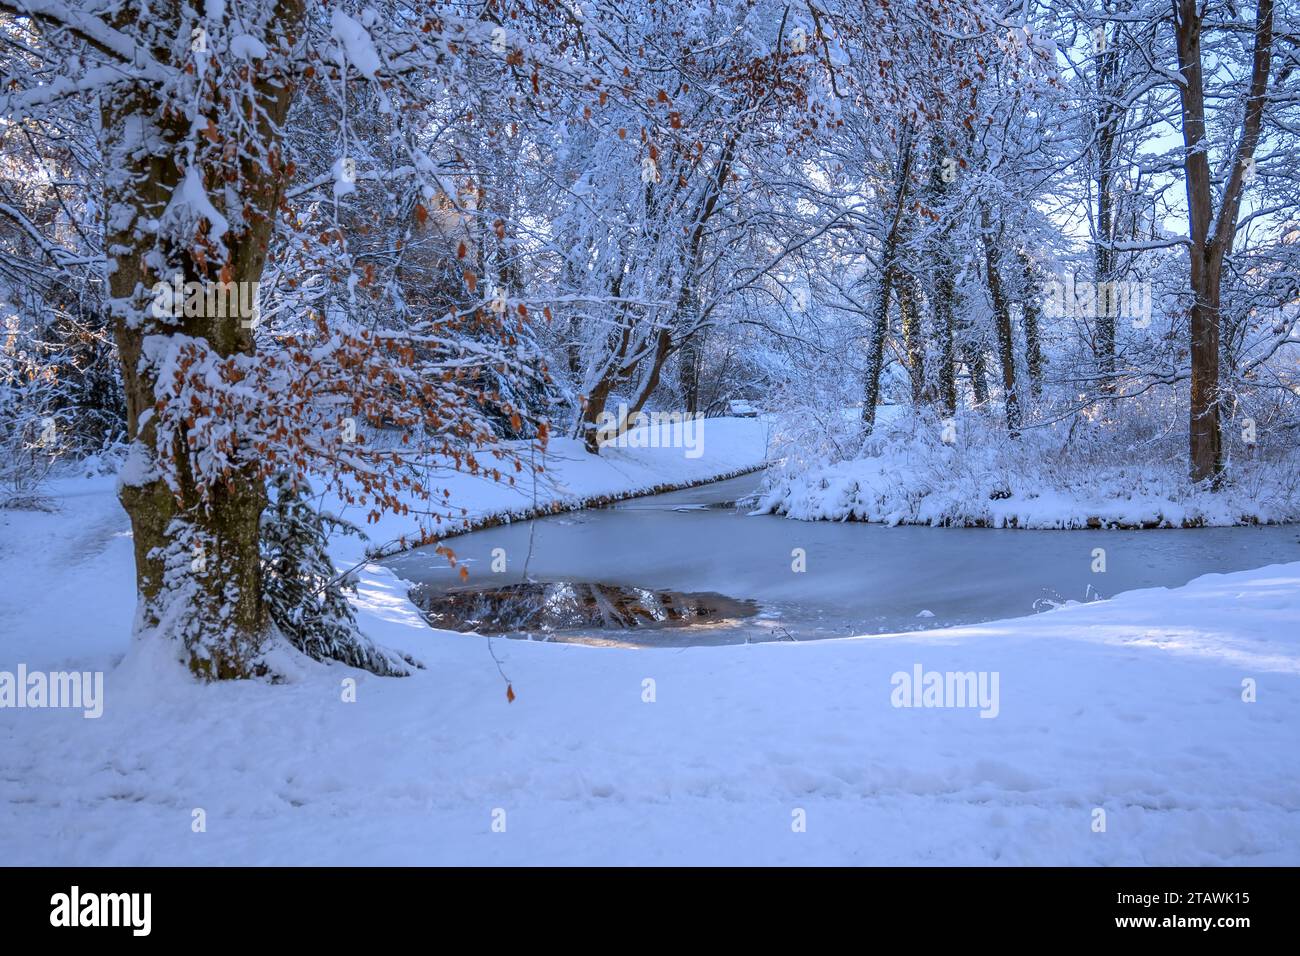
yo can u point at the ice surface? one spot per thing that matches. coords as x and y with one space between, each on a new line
859 578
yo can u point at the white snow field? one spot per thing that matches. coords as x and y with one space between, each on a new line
749 754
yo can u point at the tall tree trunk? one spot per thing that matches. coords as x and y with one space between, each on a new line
1104 256
944 306
910 314
1032 312
573 347
592 409
943 292
198 573
688 372
1212 236
691 348
876 353
973 358
1002 321
888 259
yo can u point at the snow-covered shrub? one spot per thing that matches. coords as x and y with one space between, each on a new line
60 396
815 422
1085 470
304 595
33 433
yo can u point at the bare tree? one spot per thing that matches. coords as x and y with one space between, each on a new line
1213 230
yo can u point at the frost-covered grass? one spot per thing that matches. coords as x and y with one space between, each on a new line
919 470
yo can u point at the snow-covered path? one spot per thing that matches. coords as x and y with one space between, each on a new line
1133 706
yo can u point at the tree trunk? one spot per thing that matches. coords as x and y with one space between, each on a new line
1002 319
973 357
910 314
876 354
1212 236
198 573
691 352
588 421
663 348
1206 430
888 259
943 295
689 372
1104 256
1032 313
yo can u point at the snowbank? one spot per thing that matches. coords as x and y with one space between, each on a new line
1132 706
69 576
912 473
569 478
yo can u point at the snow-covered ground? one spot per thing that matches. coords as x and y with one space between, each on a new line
965 472
568 477
1133 706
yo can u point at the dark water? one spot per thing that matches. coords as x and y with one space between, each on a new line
577 606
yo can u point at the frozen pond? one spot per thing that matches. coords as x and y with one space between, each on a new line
653 559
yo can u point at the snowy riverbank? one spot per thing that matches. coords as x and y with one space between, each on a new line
968 474
1133 706
570 478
